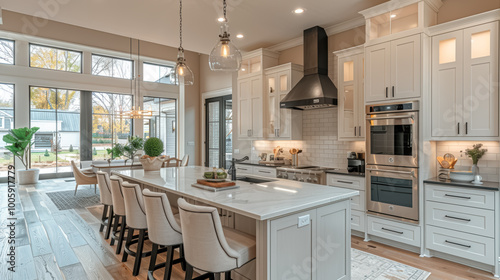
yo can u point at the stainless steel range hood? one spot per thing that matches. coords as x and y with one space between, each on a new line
315 90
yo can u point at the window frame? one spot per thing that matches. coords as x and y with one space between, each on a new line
159 65
57 48
132 68
13 51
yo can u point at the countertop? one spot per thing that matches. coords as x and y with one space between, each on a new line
345 172
256 163
492 186
257 201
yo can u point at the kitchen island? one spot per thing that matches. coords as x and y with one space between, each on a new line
302 230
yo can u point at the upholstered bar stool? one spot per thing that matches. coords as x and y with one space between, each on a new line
119 209
136 220
163 230
210 247
106 199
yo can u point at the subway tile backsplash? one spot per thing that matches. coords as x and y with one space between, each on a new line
320 143
488 164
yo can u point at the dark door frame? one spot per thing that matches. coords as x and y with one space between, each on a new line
222 131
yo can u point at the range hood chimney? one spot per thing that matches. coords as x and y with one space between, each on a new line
315 90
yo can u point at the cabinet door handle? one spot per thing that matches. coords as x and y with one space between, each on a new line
278 132
392 91
345 182
456 218
391 230
458 244
359 131
466 128
458 128
457 196
386 92
354 131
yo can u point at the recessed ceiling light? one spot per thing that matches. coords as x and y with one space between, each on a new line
298 11
221 19
393 16
239 36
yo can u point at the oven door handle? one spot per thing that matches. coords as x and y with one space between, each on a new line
392 118
412 173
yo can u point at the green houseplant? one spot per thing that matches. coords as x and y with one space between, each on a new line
19 142
151 161
476 153
135 144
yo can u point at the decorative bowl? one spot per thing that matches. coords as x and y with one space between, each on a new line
151 164
462 176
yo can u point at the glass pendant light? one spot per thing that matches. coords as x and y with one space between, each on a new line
224 56
181 74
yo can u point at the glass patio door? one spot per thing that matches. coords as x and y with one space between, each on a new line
219 131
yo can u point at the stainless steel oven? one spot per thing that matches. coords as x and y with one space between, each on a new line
392 191
392 134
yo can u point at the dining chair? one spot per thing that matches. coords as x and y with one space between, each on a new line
83 179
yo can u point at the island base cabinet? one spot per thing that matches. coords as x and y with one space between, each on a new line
313 244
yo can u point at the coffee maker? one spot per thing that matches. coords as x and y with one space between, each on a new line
356 163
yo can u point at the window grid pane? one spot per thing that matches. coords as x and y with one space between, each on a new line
112 67
6 123
55 59
6 51
156 73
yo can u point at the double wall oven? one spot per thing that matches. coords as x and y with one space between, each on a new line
392 159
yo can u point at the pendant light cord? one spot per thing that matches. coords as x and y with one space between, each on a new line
180 24
224 9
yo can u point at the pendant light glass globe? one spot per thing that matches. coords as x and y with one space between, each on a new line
181 74
225 56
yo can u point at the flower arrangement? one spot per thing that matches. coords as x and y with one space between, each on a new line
476 152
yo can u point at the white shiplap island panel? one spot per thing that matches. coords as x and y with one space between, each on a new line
285 249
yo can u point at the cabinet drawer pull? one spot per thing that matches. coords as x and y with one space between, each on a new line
391 230
458 244
457 196
262 171
345 182
456 218
239 168
386 92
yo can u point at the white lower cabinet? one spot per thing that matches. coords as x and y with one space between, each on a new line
325 239
461 222
393 230
244 169
358 215
269 172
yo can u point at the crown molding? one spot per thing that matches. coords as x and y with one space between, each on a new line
331 30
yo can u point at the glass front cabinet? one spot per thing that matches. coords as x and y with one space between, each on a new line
350 81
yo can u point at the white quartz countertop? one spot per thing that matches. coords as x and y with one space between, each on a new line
258 201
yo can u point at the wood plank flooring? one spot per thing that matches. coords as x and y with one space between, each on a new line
55 244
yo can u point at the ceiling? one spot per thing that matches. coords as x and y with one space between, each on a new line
263 22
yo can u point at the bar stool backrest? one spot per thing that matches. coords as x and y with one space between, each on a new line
104 188
134 206
162 226
117 195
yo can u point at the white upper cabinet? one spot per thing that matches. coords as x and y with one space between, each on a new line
350 81
281 124
251 102
465 82
393 70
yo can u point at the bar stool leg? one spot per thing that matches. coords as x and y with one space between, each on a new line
138 256
115 229
104 213
122 235
181 253
154 253
189 272
127 243
110 222
228 275
169 263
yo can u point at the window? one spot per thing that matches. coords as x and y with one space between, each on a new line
111 67
163 122
156 73
57 113
55 59
109 123
6 123
6 51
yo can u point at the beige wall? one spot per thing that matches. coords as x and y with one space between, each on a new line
455 9
24 24
212 80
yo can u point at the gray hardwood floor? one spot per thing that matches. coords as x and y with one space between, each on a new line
67 244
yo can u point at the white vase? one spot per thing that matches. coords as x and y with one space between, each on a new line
152 164
28 177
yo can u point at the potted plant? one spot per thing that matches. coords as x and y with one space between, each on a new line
20 145
115 152
476 153
135 144
151 161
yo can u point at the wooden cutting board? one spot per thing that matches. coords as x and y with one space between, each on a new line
216 184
